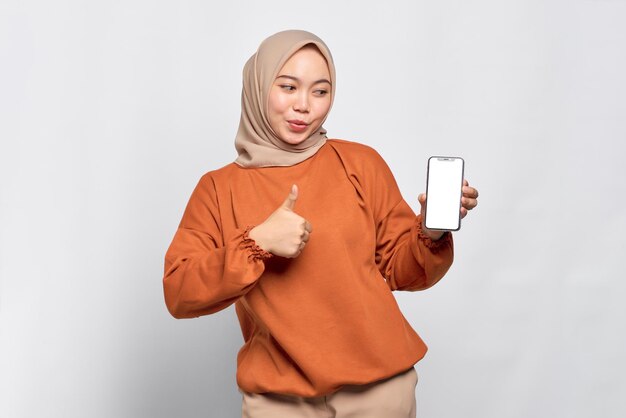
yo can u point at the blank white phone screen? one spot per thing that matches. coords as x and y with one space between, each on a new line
443 193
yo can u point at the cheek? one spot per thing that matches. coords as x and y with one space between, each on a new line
322 109
277 105
276 108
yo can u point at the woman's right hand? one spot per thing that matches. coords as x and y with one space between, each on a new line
284 233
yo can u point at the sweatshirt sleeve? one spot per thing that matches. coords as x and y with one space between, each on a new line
407 259
205 272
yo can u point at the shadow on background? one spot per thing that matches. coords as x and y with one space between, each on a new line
192 373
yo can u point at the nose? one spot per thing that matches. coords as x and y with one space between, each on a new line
301 102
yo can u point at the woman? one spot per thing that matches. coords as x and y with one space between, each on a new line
308 237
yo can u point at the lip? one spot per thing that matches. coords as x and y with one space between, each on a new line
297 125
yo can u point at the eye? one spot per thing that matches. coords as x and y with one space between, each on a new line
321 92
287 87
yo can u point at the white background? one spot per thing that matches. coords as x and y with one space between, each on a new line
110 111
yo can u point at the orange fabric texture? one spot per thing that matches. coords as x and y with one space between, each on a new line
327 318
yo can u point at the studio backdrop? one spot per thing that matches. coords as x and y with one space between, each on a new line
110 111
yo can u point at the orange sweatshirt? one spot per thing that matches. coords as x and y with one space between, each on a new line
326 318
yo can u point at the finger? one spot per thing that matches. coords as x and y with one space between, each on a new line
307 227
305 236
470 192
465 182
469 204
463 213
290 202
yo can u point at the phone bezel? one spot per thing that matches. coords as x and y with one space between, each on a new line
460 191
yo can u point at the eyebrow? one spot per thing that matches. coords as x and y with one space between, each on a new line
322 80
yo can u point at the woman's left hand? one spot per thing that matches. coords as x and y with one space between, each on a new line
469 200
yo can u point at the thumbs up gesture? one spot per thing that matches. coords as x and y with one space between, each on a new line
284 233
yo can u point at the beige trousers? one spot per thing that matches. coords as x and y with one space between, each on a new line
391 398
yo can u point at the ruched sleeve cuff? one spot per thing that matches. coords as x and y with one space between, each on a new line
433 245
255 252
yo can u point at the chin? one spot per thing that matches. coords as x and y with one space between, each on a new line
292 139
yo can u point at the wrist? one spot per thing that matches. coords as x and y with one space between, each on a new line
257 236
256 250
433 235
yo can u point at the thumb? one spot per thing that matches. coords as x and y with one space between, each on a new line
422 199
290 202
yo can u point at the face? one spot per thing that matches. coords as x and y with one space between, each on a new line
300 96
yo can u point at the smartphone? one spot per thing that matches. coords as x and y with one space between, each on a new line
444 183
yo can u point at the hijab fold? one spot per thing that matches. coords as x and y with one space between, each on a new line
256 142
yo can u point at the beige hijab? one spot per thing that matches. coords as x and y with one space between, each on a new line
256 142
